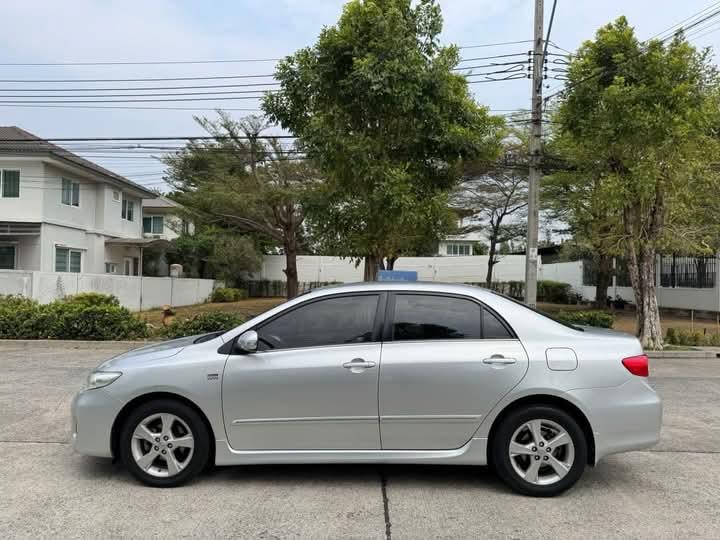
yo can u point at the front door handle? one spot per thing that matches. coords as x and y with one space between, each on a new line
358 365
499 359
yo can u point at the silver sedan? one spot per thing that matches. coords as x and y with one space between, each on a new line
377 373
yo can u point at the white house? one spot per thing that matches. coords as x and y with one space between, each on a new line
162 219
62 213
460 244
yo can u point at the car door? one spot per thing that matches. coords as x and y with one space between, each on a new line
446 361
313 383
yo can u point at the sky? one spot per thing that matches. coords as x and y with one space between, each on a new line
74 31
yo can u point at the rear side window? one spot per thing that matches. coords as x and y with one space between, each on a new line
493 328
331 321
426 317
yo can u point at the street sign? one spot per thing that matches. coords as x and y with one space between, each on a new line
397 275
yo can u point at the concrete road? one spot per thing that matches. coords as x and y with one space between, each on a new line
46 490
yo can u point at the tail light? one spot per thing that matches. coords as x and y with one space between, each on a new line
637 365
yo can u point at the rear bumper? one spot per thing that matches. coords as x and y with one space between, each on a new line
624 418
93 414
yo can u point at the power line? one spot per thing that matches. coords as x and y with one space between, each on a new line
170 138
191 87
694 15
495 44
122 107
142 63
5 102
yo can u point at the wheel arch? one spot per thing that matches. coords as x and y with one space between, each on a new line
547 399
152 396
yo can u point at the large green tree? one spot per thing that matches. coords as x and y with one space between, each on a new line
246 183
377 103
641 119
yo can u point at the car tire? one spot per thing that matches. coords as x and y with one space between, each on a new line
520 454
164 443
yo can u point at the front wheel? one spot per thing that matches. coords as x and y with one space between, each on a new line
164 443
539 451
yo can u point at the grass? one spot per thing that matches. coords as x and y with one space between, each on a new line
247 308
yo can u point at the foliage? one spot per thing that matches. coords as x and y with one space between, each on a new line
203 324
678 336
91 299
89 316
376 103
479 248
239 182
228 294
601 319
496 199
637 121
232 256
554 292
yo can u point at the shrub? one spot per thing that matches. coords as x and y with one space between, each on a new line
202 324
598 318
228 294
677 336
91 317
87 299
21 318
554 292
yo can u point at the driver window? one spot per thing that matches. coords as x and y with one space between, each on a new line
332 321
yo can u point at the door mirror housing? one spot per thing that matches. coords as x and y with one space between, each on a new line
247 342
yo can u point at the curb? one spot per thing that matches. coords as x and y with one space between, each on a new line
69 343
703 355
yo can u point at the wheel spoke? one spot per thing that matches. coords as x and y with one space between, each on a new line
531 474
145 461
558 466
172 464
520 449
186 441
535 430
561 439
142 432
167 422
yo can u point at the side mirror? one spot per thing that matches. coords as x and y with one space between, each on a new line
247 342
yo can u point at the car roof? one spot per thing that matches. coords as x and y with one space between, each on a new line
420 286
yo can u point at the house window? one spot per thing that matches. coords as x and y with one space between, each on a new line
67 260
116 196
128 209
110 268
459 249
7 257
153 225
10 183
70 192
185 226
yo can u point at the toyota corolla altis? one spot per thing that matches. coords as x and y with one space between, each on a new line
377 373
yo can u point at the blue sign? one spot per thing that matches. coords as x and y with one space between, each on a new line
397 275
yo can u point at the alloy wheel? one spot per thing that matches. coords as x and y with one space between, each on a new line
541 452
162 445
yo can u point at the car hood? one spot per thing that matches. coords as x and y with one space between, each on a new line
154 351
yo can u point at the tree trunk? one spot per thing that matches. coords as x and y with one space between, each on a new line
391 263
491 263
372 263
602 280
290 269
641 266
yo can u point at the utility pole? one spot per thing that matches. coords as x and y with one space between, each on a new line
535 157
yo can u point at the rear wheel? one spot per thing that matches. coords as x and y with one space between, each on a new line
164 443
539 451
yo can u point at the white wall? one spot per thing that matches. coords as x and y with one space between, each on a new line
29 206
135 293
565 272
451 269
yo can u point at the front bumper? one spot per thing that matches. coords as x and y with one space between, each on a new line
93 414
623 418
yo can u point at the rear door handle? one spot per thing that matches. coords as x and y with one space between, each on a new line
357 365
498 359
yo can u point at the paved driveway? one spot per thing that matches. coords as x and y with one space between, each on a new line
46 490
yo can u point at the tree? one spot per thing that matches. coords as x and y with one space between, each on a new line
642 119
377 103
242 182
497 200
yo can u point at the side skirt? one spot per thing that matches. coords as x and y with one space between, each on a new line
474 452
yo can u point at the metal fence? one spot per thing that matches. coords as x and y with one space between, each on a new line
691 272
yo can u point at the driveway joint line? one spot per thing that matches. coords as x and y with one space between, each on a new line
386 504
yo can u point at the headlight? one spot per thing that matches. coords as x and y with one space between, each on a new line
98 379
